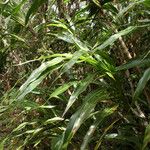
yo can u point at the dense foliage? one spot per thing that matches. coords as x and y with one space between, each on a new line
75 74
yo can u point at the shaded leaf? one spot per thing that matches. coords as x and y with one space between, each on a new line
18 7
104 133
147 3
34 7
141 84
126 9
79 89
101 116
146 137
80 116
134 63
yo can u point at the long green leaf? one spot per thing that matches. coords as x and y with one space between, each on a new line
134 63
2 143
104 133
147 3
61 89
36 82
36 77
65 36
114 37
18 7
68 36
141 84
72 61
52 120
146 137
37 72
17 38
101 116
126 9
80 116
34 7
23 125
80 88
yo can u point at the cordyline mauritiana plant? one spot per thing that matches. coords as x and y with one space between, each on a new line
75 74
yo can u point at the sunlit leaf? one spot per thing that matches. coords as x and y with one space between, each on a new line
46 107
64 36
55 119
114 37
61 89
17 38
72 61
23 125
37 76
60 25
2 143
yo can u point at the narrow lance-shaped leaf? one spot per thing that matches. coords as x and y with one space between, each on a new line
34 7
36 77
31 86
142 83
68 36
17 38
46 106
52 120
36 82
23 125
80 88
2 143
134 63
114 37
101 116
65 36
146 137
126 9
104 133
72 61
37 72
80 116
18 7
83 113
60 25
97 2
61 89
